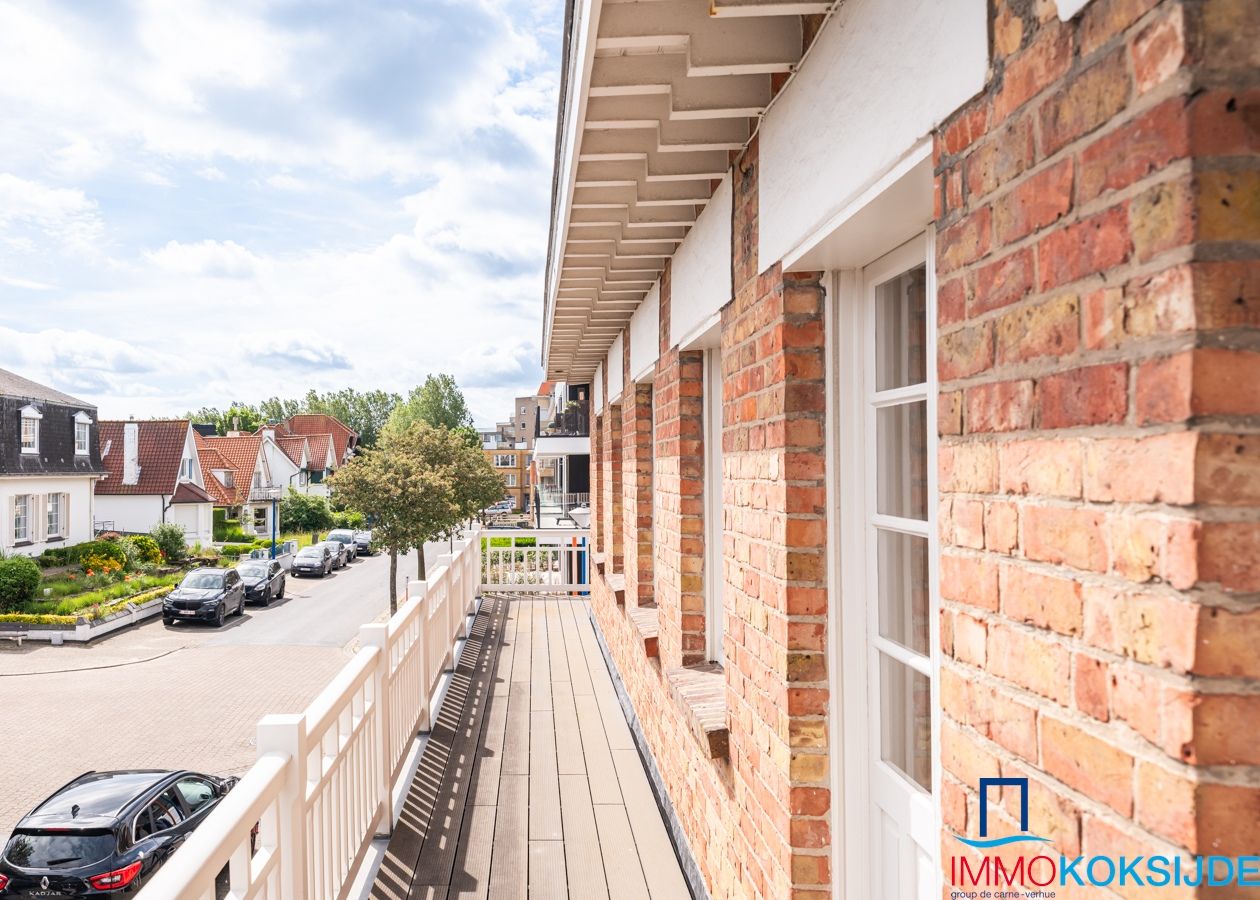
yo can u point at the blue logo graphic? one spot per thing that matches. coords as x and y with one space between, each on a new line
985 784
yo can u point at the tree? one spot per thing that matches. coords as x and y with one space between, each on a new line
406 500
305 512
438 402
237 417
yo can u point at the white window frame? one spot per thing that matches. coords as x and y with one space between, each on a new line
851 496
504 461
714 577
509 479
32 415
56 527
82 421
27 503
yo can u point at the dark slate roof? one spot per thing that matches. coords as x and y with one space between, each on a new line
14 385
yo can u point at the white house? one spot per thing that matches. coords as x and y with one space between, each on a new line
152 475
48 462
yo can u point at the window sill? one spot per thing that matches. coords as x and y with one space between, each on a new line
23 543
55 539
617 584
700 692
647 623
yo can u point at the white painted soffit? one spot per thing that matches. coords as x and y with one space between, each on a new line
561 446
658 94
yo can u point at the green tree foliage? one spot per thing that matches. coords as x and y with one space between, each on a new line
249 417
438 402
19 579
305 512
170 540
364 411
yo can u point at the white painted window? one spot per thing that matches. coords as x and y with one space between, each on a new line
890 655
22 517
82 431
714 577
504 461
30 429
56 515
509 479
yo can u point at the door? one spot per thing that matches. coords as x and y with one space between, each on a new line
889 607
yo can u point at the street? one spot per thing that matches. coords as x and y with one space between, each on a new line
183 696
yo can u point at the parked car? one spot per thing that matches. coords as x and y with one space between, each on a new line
206 594
345 536
337 550
105 833
264 580
363 539
312 560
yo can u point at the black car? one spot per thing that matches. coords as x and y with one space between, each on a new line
263 579
105 833
209 595
314 560
363 540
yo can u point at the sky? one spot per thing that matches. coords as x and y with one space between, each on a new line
208 202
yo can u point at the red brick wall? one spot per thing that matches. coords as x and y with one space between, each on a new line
1098 294
636 485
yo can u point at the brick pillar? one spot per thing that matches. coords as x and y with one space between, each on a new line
1099 299
636 473
774 562
679 493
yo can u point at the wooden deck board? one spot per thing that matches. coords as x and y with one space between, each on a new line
532 787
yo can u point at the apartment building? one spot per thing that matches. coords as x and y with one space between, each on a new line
921 337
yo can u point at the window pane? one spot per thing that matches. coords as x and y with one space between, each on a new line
901 330
906 721
901 432
903 589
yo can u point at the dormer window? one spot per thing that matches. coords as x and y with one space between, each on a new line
82 434
30 429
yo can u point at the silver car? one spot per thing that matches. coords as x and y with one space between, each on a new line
337 550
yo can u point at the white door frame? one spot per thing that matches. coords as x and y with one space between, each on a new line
850 481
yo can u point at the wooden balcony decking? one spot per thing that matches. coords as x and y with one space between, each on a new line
530 785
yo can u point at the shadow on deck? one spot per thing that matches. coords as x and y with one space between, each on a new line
530 784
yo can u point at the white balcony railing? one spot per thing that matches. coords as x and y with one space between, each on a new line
552 560
321 788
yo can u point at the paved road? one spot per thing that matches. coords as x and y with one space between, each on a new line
183 696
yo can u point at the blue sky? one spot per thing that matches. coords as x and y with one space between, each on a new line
203 202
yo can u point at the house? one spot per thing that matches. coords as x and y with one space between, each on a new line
511 461
246 475
49 459
329 443
152 475
560 468
921 338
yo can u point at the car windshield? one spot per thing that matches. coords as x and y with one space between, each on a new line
311 551
341 538
203 580
254 571
36 850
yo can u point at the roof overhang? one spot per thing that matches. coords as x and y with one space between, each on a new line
561 446
656 96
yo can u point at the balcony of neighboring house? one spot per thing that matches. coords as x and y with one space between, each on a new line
562 460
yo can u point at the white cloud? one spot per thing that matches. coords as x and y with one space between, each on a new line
226 259
62 215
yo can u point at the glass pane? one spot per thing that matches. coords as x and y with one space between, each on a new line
906 721
903 590
901 330
901 432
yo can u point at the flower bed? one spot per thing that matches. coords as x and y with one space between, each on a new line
92 613
70 606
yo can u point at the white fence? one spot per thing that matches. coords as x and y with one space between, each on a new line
321 788
550 559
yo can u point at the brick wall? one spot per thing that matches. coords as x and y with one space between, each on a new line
636 484
1098 226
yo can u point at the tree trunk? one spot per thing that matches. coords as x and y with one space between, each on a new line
420 573
393 581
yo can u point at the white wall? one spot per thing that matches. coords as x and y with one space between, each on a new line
129 512
880 76
80 511
597 391
196 518
700 280
614 367
645 334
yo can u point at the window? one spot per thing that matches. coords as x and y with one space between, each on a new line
56 515
161 815
509 479
714 608
522 410
258 479
82 432
196 793
226 478
504 461
30 429
22 517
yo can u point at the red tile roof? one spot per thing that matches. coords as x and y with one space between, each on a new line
159 451
240 452
212 459
292 446
319 444
343 437
187 492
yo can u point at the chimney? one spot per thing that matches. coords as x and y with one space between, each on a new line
236 423
131 453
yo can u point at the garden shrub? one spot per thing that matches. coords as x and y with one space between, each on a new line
236 536
144 549
53 557
99 564
19 579
170 540
348 519
107 549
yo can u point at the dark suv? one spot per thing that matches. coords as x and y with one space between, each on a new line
206 594
105 833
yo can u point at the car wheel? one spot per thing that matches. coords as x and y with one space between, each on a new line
168 620
220 615
280 596
266 600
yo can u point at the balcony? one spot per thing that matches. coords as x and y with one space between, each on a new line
476 740
571 420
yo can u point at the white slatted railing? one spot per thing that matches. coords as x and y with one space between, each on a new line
551 560
321 788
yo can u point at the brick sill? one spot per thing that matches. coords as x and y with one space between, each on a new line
700 691
617 584
646 622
